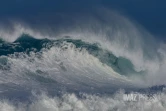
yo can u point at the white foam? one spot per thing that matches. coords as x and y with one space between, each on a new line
69 67
70 102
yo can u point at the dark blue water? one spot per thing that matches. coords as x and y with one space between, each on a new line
150 13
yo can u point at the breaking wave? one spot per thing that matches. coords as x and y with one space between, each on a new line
81 68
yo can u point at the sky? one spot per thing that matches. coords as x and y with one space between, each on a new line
151 14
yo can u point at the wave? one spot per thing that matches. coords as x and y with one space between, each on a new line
89 57
26 44
63 64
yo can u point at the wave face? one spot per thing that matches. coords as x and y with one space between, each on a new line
64 63
86 68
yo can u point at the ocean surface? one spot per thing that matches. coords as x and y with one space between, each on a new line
80 55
